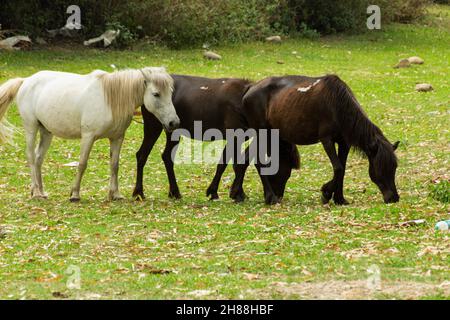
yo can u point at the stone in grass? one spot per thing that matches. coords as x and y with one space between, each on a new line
274 39
424 87
404 63
212 55
415 60
2 233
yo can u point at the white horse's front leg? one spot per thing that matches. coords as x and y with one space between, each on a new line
86 146
41 151
115 146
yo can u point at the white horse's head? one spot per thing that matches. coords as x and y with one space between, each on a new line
158 96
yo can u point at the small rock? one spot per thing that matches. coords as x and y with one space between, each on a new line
107 38
2 233
41 41
212 55
416 60
274 39
424 87
15 43
280 62
61 295
404 63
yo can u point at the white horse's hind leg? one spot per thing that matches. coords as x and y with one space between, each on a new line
30 136
41 151
115 146
86 147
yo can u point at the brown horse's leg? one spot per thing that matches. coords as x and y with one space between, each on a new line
343 151
152 130
221 166
330 187
237 192
174 192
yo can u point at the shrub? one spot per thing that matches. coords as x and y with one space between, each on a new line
180 23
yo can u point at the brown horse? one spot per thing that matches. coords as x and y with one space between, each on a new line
217 103
309 110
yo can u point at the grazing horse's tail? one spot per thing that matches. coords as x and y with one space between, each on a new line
8 92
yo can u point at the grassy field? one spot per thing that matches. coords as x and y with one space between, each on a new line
194 248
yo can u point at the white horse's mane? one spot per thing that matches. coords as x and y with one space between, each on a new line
124 90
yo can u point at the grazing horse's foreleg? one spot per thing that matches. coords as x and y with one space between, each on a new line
44 143
30 136
343 150
115 146
174 191
330 187
152 131
221 166
87 142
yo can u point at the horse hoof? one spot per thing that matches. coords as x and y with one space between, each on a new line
117 198
74 200
138 195
341 202
239 197
39 197
326 197
213 196
174 195
272 199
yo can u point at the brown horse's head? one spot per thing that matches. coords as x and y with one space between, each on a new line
382 168
289 159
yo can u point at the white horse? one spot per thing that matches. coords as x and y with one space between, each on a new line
91 107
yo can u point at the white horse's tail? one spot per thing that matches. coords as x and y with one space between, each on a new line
8 92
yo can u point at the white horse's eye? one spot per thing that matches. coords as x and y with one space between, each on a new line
156 94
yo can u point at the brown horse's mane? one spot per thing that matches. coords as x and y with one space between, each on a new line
361 133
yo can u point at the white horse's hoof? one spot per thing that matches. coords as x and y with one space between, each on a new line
38 195
74 199
116 198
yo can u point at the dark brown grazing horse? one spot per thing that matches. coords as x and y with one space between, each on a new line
310 110
217 103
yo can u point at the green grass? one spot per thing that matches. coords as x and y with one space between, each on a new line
161 248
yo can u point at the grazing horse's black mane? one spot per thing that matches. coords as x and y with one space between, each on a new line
361 133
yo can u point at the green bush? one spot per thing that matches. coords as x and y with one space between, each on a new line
180 23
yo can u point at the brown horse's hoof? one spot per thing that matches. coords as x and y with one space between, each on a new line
212 194
341 202
138 195
272 199
239 197
174 194
213 197
326 196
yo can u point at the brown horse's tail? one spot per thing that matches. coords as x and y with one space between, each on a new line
8 92
291 151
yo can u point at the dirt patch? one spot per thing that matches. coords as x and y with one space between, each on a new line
358 289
